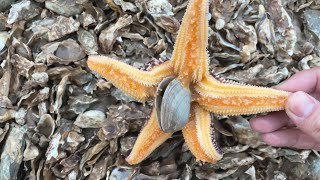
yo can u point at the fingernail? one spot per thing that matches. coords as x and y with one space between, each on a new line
300 105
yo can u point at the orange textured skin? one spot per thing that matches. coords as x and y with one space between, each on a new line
148 140
190 59
238 99
211 87
138 84
203 126
189 132
242 105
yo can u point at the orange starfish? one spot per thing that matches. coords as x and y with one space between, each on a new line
202 94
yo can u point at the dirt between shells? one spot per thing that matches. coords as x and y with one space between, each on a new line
58 120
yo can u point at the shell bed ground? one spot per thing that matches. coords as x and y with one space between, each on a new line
58 120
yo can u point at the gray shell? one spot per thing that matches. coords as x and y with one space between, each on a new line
172 105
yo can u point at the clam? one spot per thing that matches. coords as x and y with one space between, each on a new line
172 105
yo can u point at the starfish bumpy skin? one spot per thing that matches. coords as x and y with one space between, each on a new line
188 68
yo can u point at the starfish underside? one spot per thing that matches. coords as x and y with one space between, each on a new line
189 65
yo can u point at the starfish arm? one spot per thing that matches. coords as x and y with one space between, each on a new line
136 83
190 58
200 137
238 99
148 140
190 135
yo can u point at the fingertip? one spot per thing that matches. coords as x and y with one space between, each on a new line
253 123
299 106
304 111
271 139
302 81
261 124
280 86
256 125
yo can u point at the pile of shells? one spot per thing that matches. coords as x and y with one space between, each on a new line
58 120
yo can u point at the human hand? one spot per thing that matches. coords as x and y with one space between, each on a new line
299 125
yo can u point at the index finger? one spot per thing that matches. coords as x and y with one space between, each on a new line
306 80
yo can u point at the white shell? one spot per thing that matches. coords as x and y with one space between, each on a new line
172 105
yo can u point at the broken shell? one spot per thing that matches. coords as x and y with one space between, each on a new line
12 152
4 131
31 151
121 172
65 8
172 105
90 119
23 10
4 36
5 4
46 125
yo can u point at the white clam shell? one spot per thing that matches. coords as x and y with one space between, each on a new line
172 104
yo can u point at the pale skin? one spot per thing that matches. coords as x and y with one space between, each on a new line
299 125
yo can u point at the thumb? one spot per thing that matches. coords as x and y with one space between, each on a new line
304 111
